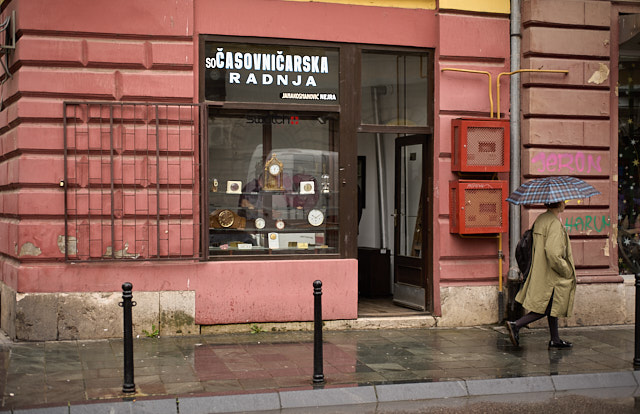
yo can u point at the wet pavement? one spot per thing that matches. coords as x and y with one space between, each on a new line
413 363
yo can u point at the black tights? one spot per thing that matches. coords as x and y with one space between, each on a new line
533 316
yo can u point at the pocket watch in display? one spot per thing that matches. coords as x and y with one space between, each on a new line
280 224
325 184
315 217
274 241
259 223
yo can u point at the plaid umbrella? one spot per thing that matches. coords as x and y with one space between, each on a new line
551 190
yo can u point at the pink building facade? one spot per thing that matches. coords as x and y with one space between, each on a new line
131 133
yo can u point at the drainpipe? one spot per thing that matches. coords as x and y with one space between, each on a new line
514 124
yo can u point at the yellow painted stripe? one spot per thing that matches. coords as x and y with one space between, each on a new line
403 4
486 6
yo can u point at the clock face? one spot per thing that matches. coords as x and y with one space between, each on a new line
274 169
226 218
279 224
315 217
259 223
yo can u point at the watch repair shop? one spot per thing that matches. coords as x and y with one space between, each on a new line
272 161
284 166
270 182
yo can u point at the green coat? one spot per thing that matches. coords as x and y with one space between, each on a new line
552 269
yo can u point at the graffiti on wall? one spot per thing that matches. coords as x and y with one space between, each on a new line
587 224
567 162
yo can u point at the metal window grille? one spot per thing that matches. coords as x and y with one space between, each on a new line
132 181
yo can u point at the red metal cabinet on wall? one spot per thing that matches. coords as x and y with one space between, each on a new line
478 207
480 145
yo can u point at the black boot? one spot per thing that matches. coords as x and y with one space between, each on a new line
513 333
559 344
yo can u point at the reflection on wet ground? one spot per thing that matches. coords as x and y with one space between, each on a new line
33 374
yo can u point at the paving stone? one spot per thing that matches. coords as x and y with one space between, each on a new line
239 372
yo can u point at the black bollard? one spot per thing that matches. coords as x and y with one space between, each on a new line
128 386
636 359
318 376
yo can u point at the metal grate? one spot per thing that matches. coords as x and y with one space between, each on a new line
485 146
132 183
483 207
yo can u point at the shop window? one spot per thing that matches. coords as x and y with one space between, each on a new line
272 181
628 162
395 88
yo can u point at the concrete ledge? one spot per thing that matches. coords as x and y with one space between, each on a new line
327 397
598 380
228 403
509 385
400 322
421 391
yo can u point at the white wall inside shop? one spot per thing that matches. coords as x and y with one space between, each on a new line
369 235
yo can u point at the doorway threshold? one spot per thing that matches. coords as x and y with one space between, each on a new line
384 308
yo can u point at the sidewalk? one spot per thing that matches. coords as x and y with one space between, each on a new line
245 372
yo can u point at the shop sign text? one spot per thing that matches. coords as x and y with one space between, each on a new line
270 73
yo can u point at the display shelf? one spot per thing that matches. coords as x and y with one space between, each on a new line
265 250
233 231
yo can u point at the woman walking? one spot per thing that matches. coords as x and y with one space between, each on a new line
550 288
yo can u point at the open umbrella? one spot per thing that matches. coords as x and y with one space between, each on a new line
551 190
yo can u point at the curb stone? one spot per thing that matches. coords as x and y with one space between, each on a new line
344 396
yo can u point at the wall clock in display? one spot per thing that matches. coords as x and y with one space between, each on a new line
279 224
315 217
259 223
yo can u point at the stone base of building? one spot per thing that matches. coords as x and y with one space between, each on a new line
68 316
595 304
601 304
468 306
